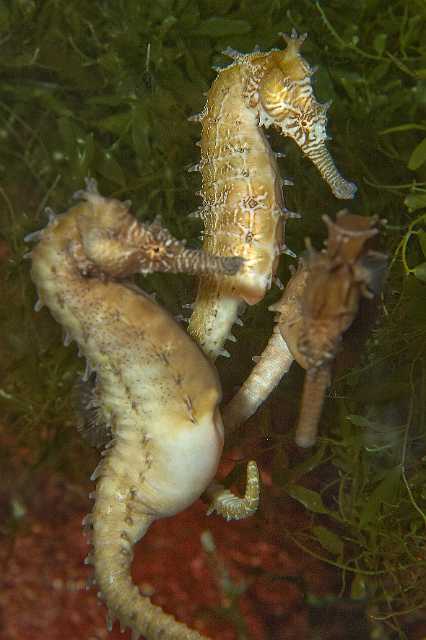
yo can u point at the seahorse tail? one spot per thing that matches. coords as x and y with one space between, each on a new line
230 506
213 318
316 383
270 367
118 521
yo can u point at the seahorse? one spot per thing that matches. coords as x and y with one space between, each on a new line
318 305
243 209
337 278
156 394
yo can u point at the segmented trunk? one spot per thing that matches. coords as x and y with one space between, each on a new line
242 209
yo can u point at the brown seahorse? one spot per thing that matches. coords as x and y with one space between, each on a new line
156 392
243 208
337 278
319 303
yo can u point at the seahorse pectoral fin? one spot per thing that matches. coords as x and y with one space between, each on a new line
371 271
316 383
318 153
230 506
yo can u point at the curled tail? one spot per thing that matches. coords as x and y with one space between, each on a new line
118 521
316 383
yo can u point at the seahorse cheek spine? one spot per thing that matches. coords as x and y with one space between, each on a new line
160 395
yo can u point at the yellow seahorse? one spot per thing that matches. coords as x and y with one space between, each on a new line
243 208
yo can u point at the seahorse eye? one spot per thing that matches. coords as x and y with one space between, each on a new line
154 252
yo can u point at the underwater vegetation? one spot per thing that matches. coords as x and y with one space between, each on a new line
105 90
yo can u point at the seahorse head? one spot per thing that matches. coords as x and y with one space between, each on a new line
285 99
348 235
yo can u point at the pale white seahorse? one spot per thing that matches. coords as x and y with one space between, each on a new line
155 391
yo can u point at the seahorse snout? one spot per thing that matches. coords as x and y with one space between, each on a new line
318 153
290 105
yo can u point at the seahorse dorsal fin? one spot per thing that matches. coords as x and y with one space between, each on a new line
90 423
